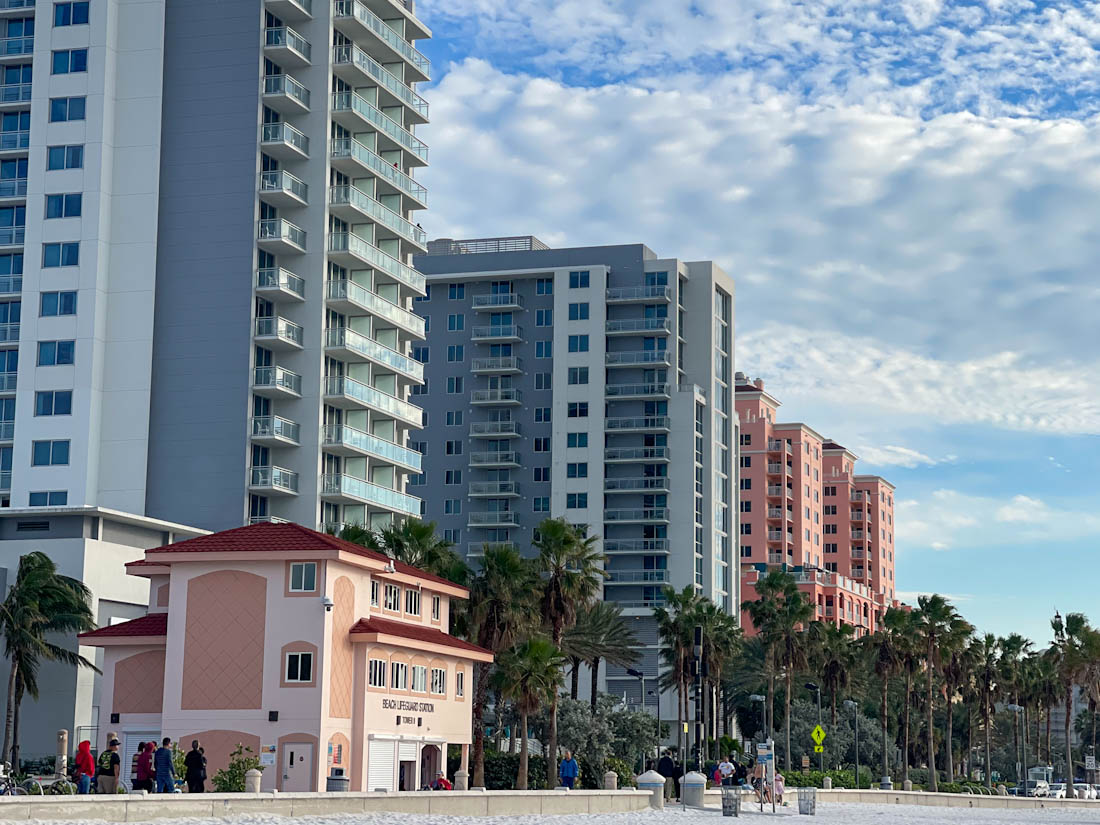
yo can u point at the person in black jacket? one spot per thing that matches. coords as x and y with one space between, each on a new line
194 765
667 768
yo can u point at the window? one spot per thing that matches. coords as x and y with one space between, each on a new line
452 536
52 498
544 317
544 381
452 506
419 679
299 667
576 440
456 323
830 529
66 108
544 286
746 529
421 353
455 384
829 491
70 14
460 682
830 548
576 469
578 343
60 254
452 477
65 157
578 375
542 445
412 602
542 474
578 280
542 415
746 506
57 303
436 608
576 501
374 588
63 206
746 484
542 504
52 353
399 676
454 418
746 461
456 292
746 440
455 353
578 409
453 447
303 577
830 509
427 296
746 551
544 349
49 453
578 312
439 681
393 598
53 402
377 673
70 61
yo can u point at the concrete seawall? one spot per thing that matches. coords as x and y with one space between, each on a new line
940 800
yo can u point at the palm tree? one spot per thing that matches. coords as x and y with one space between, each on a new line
721 640
833 657
909 651
985 652
41 604
528 675
599 635
885 648
1014 648
413 542
502 606
571 568
1075 643
675 619
1047 692
955 665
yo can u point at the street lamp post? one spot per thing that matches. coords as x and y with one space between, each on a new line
637 674
855 716
821 754
1022 766
756 697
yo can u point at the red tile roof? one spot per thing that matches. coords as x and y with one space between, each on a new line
154 624
284 537
417 632
831 445
144 563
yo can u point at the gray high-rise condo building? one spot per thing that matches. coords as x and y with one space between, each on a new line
593 383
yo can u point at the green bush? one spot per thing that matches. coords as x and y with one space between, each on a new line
624 771
841 779
230 779
501 769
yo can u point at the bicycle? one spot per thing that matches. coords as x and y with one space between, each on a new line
8 785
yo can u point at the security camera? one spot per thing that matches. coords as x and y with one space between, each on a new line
328 603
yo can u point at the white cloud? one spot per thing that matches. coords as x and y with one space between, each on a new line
891 455
910 596
1025 510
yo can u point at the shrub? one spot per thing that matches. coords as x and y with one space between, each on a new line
230 779
623 770
841 779
501 769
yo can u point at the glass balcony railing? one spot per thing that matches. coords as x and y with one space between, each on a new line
354 55
648 356
637 325
498 396
12 46
642 483
278 478
347 242
498 363
495 331
13 188
9 332
350 195
499 299
648 514
15 92
12 235
352 102
283 181
15 140
493 457
7 430
285 133
337 435
494 428
10 284
284 84
635 453
17 4
354 8
272 426
638 293
279 328
288 38
366 491
5 480
279 278
358 391
621 390
634 576
8 381
278 229
344 290
636 546
649 422
348 147
494 519
369 348
494 488
278 378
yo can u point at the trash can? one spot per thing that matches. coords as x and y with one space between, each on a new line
731 801
807 801
337 782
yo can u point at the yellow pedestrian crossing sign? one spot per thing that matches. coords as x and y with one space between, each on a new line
818 735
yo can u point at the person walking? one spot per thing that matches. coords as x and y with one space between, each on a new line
568 771
85 767
163 768
143 781
726 769
194 766
667 768
107 768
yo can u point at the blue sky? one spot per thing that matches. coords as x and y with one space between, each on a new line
907 196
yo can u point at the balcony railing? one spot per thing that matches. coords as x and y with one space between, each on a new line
272 426
494 519
338 484
648 356
350 148
13 46
286 37
347 242
7 430
477 548
634 390
268 520
351 196
279 278
284 84
634 576
775 467
491 333
279 328
641 483
10 284
494 488
369 348
647 514
857 515
17 4
638 293
9 332
497 300
15 140
775 512
775 535
635 453
336 435
494 457
858 534
358 391
778 446
637 325
278 229
344 290
494 428
636 546
353 102
502 396
13 188
278 478
12 235
286 134
653 422
15 92
283 181
352 54
8 381
501 363
354 8
278 378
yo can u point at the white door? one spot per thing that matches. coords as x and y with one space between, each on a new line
297 766
131 747
380 765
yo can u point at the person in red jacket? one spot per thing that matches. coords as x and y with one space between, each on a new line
441 783
145 773
85 767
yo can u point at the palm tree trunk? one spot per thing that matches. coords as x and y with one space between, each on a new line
834 709
575 678
19 689
594 691
949 764
521 775
1069 744
1048 735
885 749
9 718
787 720
908 701
481 698
987 769
931 731
552 749
969 761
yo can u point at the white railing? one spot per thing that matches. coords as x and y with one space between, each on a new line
375 257
648 356
277 477
499 363
494 488
342 435
351 196
283 181
351 148
279 229
493 457
502 396
638 293
284 84
353 55
653 422
272 426
354 8
497 299
279 328
356 342
637 325
278 377
285 133
286 36
371 396
279 278
354 102
619 390
493 428
344 290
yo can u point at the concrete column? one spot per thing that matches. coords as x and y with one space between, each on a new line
611 781
654 783
252 781
827 783
692 788
462 780
62 765
465 764
907 785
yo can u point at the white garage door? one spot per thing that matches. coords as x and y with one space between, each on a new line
407 751
380 764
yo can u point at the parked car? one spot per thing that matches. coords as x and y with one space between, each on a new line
1083 791
1096 791
1057 790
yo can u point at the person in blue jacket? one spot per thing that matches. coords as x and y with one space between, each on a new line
165 770
568 770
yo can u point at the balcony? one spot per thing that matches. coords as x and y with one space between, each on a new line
858 553
353 158
12 95
354 205
778 446
497 301
638 424
623 391
499 365
12 235
274 481
355 346
775 512
624 546
501 396
268 520
16 46
275 431
497 333
16 5
494 519
623 454
635 576
858 534
345 489
638 515
494 429
354 19
635 326
349 297
352 111
291 9
285 95
13 188
857 572
635 294
495 458
278 284
634 357
348 441
14 141
9 333
350 250
283 189
494 489
283 141
349 394
477 548
281 237
632 485
857 515
358 68
775 468
286 47
278 333
776 558
7 430
775 535
276 382
857 495
8 382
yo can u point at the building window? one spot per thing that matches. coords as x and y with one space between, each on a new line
53 353
412 602
456 322
393 598
829 509
452 477
829 491
454 418
63 109
746 440
746 506
399 676
51 498
544 317
576 440
303 577
544 349
746 529
60 254
830 548
746 551
578 312
578 280
419 679
63 206
746 461
299 667
542 474
437 608
460 683
456 292
578 409
70 14
542 445
57 303
53 402
544 381
453 448
542 415
49 453
427 296
65 157
421 353
451 535
439 681
578 375
455 353
830 529
746 484
454 384
576 501
577 469
377 673
70 61
542 504
544 286
452 507
578 343
374 588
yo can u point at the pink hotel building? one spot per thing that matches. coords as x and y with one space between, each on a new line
315 652
803 506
